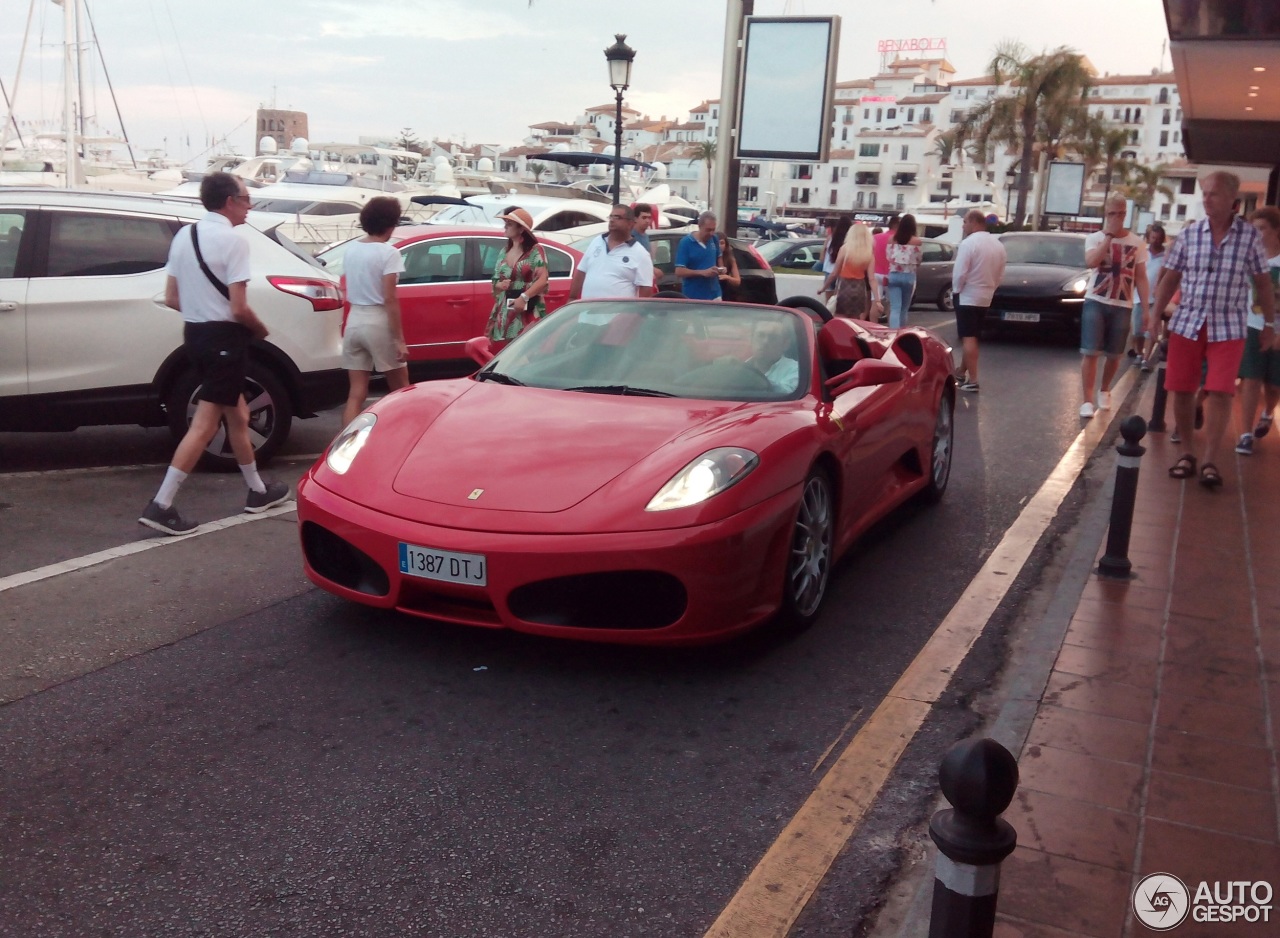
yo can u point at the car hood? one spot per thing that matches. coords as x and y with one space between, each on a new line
1019 278
488 448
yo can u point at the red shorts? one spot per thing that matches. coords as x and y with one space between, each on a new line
1190 359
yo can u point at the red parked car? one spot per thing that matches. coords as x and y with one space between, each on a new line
444 292
636 471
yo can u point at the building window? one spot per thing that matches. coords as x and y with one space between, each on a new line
1133 136
1164 210
750 193
957 116
799 195
901 202
1178 116
844 134
1187 186
1164 119
866 179
1137 115
844 172
833 197
869 149
858 199
926 116
904 179
871 200
906 149
750 170
1164 138
1164 96
1177 136
911 115
891 113
835 173
1127 113
866 113
1117 114
1182 212
879 114
802 171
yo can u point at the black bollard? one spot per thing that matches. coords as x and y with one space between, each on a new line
978 777
1115 562
1157 424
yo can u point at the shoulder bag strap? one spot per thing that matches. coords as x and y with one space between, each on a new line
218 284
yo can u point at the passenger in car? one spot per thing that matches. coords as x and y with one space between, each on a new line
769 345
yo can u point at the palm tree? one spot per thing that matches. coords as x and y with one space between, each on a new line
1101 146
537 169
1050 82
705 150
1144 183
946 145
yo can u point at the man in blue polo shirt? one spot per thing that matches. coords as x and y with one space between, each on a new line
698 261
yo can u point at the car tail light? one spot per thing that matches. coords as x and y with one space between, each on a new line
764 264
322 294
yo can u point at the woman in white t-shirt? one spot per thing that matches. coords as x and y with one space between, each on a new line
374 338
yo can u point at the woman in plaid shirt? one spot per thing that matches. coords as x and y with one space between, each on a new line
1216 261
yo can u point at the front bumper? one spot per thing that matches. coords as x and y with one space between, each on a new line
679 586
1054 311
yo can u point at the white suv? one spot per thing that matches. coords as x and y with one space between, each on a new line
85 337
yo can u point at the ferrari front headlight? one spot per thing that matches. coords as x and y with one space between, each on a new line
343 450
708 475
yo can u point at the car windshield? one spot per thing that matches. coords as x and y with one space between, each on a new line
704 351
469 215
1044 249
332 258
770 250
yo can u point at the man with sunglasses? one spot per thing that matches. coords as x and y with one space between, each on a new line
1117 259
208 270
615 264
1215 261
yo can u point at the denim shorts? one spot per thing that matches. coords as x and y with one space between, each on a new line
1104 328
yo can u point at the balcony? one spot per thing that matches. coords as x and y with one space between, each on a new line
904 179
866 179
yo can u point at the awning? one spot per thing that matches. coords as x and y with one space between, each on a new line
587 159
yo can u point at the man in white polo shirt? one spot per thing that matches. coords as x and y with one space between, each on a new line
208 272
614 264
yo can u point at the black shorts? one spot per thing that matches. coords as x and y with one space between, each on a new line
219 352
969 321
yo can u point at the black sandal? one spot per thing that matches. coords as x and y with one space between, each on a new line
1184 468
1210 477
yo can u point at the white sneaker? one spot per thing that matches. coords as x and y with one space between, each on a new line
1086 410
1104 400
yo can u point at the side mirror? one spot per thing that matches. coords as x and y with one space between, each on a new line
480 349
869 372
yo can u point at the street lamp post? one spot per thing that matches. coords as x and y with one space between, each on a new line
619 55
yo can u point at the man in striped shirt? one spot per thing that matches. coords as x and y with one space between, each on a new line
1215 261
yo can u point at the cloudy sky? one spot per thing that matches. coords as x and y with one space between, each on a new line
188 72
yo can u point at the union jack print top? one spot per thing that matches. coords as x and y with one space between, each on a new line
1217 279
1112 280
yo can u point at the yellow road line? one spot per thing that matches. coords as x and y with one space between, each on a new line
777 890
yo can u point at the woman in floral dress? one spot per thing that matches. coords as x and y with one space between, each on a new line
519 280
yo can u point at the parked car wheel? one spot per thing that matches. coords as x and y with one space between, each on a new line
809 562
270 415
944 434
946 302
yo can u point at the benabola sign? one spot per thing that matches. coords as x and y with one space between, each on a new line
911 45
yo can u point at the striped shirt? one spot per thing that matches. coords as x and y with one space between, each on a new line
1217 279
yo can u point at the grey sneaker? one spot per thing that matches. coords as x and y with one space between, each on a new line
970 386
166 520
1263 427
260 501
1245 446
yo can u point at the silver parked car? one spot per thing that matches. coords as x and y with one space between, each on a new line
86 340
933 279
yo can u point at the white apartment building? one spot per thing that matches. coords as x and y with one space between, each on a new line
884 154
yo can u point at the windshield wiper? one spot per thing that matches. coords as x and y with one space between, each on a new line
500 377
620 389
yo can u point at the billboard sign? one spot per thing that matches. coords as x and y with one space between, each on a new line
787 86
1065 189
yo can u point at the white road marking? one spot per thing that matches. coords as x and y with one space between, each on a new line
136 547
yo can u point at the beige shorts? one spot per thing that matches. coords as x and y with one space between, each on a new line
367 344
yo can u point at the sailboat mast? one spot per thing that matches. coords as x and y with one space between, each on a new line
81 71
68 84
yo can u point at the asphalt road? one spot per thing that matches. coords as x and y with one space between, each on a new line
196 742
